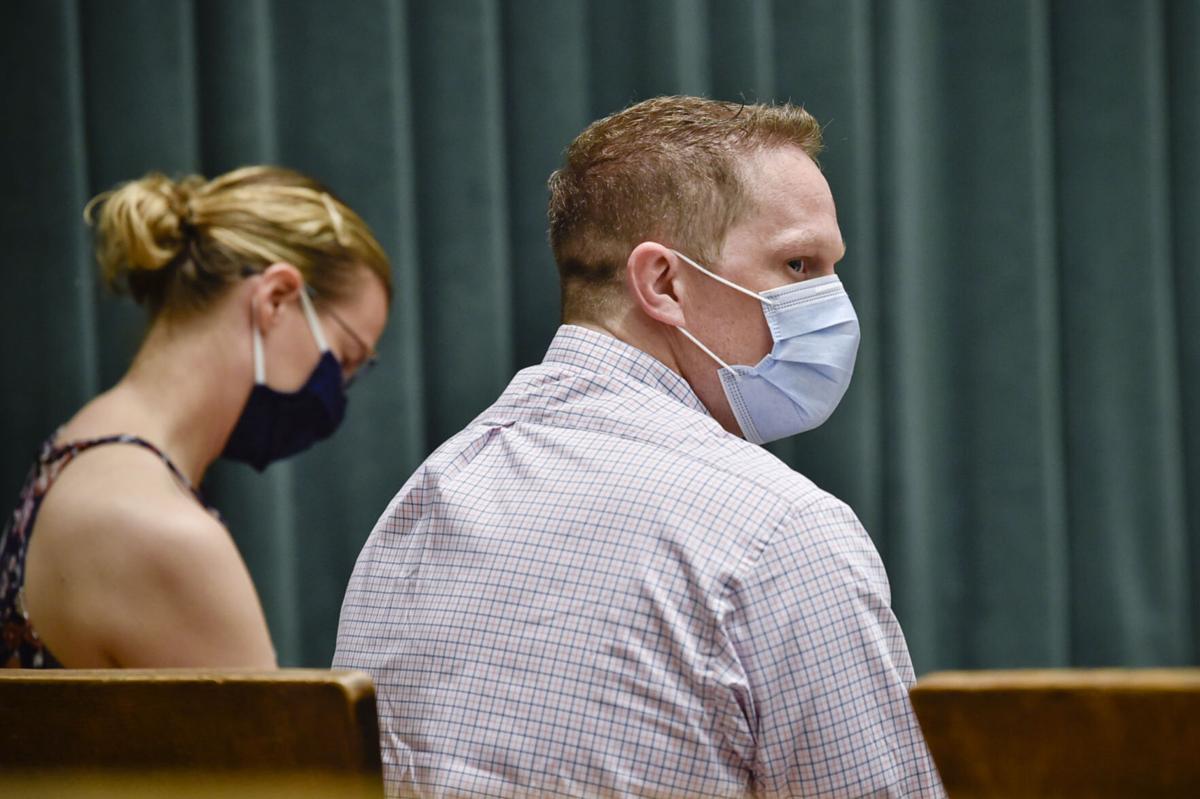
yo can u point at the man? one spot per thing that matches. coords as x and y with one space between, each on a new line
603 586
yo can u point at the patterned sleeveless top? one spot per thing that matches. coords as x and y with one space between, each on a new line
20 646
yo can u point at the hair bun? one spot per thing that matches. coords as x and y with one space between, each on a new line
141 225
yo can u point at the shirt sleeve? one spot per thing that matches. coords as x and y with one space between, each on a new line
827 666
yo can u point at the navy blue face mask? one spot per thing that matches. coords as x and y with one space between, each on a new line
278 424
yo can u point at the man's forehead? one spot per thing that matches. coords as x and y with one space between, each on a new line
791 199
786 174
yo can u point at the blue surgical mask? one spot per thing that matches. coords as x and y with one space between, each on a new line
803 378
278 424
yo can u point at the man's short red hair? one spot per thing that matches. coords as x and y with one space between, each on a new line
666 169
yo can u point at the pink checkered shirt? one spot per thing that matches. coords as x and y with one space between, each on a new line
595 590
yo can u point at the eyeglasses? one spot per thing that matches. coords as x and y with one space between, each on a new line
372 357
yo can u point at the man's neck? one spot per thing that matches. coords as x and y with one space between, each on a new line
636 332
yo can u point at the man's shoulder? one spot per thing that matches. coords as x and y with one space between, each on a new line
736 459
585 421
660 437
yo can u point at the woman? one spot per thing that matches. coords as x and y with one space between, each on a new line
266 295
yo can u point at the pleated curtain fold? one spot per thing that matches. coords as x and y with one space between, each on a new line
1018 184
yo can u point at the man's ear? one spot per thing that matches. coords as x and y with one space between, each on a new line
279 285
652 274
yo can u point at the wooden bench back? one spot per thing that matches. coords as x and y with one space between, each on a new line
1064 733
293 720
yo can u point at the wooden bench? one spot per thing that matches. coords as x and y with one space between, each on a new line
70 733
1064 733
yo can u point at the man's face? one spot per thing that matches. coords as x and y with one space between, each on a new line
788 233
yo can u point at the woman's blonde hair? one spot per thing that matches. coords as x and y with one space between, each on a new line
176 245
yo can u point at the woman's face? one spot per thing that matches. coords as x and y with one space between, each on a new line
352 327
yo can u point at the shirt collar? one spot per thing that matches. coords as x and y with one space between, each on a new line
601 352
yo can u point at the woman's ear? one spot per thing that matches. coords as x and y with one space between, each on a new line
652 276
279 285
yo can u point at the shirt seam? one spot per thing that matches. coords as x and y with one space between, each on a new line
751 560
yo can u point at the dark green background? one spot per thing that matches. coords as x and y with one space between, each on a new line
1017 182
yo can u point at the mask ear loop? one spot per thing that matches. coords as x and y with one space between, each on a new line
709 352
726 281
314 323
731 285
260 369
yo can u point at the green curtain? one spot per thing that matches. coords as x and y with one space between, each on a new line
1018 184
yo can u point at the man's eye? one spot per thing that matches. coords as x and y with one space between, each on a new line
796 265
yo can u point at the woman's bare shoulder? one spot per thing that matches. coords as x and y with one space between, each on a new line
120 494
123 551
